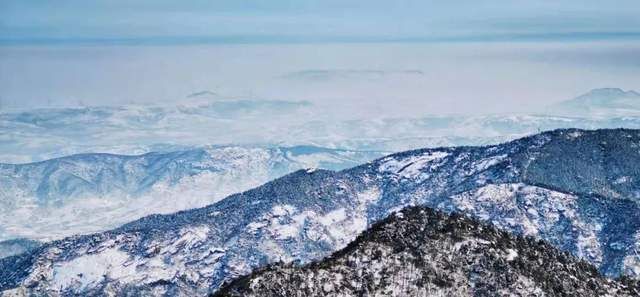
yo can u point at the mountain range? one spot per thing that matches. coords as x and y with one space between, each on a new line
41 134
94 192
52 198
576 189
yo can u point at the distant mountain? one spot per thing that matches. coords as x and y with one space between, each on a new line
205 93
326 75
579 190
94 192
421 252
606 102
42 134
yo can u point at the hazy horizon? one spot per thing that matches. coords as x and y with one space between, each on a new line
388 79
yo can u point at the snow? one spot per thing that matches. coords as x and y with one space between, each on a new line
347 230
511 255
413 166
281 221
286 231
333 217
622 180
92 268
371 195
254 226
574 134
327 287
469 242
282 210
190 238
484 164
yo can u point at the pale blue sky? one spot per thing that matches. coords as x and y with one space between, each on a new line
278 20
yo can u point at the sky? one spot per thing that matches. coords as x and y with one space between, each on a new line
287 20
393 58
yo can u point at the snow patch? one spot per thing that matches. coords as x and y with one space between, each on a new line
574 134
413 166
622 180
511 255
484 164
90 269
282 210
333 217
190 238
370 195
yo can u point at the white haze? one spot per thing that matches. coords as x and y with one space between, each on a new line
357 80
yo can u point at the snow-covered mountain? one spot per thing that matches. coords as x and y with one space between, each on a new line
607 102
579 190
41 134
94 192
421 252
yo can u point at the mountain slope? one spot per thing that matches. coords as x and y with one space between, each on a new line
579 190
421 252
94 192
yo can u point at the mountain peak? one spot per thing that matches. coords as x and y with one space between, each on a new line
600 102
205 93
610 92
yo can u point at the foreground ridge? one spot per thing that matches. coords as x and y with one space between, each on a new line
423 252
